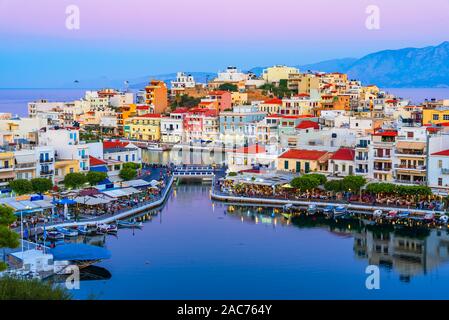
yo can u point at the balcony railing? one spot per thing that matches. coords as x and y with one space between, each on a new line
400 152
408 167
46 160
362 158
383 156
25 165
46 173
382 169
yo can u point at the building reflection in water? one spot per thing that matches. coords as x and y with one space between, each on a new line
406 251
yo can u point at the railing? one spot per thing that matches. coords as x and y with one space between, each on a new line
46 160
383 156
25 165
382 169
407 167
420 183
362 158
46 173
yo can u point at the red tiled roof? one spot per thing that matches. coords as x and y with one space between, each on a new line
387 133
114 144
273 101
307 124
441 153
150 115
303 95
218 92
143 107
251 149
303 154
96 162
180 110
290 117
344 154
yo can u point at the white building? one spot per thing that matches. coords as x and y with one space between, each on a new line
172 127
183 81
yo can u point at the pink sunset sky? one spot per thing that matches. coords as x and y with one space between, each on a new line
207 35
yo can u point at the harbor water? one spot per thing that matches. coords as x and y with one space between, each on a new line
194 248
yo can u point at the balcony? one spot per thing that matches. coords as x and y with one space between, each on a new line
46 160
382 156
47 173
417 183
410 167
361 171
85 156
27 165
362 146
383 169
409 153
6 168
444 171
362 158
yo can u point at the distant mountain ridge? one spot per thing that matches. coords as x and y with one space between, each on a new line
404 68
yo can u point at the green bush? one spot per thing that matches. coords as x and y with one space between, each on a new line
17 289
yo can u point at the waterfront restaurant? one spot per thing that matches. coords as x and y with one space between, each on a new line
260 184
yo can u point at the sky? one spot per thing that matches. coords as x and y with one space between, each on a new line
126 39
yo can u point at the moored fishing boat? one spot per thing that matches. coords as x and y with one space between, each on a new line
55 235
67 232
312 209
107 228
129 224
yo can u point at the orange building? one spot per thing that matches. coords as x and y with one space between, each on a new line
156 95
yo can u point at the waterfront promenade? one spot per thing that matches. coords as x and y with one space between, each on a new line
108 218
218 195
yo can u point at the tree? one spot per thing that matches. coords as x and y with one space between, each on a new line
228 87
305 183
334 185
131 165
75 180
95 178
21 186
127 174
19 289
41 185
320 177
381 187
353 183
8 238
185 101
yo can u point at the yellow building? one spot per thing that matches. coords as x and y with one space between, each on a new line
277 73
64 167
304 161
6 167
436 116
145 128
239 98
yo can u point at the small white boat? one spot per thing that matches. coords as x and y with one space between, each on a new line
377 213
67 232
444 218
55 235
312 209
107 228
129 224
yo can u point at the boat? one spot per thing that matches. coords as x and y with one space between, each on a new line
287 207
107 228
55 235
429 217
329 210
377 213
67 232
340 211
444 218
312 209
392 214
403 214
85 230
129 224
287 216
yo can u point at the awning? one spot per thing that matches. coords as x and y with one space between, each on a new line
99 169
118 193
136 183
415 145
91 201
79 252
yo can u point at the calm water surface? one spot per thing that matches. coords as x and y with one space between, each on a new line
194 248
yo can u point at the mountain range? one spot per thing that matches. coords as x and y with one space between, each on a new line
426 67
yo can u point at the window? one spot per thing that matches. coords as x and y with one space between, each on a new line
436 117
440 164
440 182
410 134
446 117
286 164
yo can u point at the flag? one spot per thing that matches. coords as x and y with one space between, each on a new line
45 233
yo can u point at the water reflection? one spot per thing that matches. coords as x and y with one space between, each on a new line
407 251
